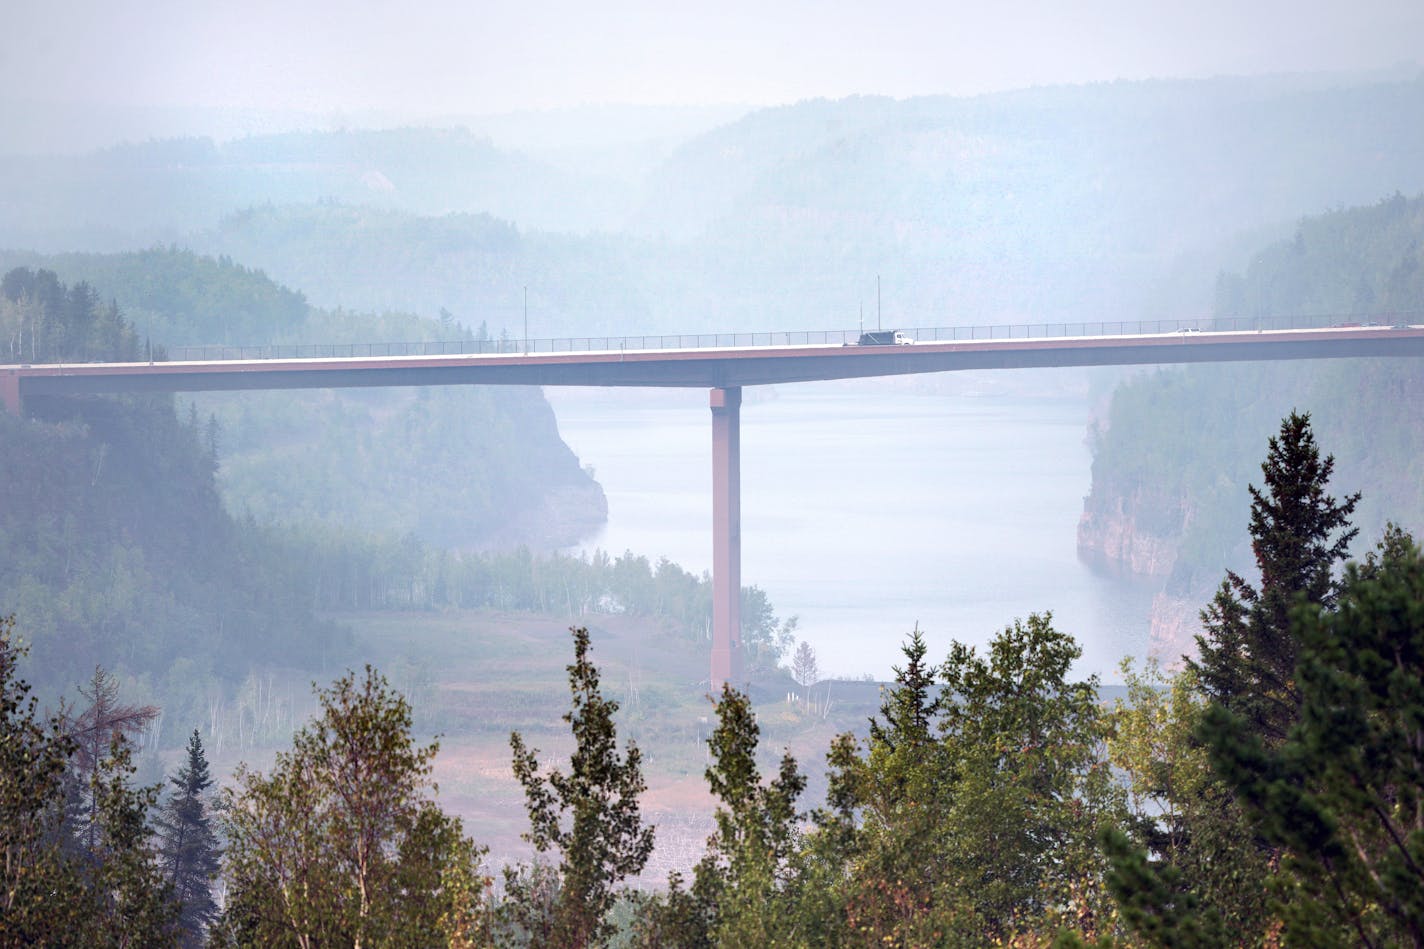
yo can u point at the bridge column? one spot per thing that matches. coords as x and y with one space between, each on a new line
10 392
726 537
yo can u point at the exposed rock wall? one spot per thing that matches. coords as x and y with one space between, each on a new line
1112 534
1176 622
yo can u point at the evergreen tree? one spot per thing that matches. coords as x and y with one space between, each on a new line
188 853
51 894
94 730
602 840
1299 535
1209 886
136 900
1343 796
42 897
900 791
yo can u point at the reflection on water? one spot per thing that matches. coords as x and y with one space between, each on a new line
868 508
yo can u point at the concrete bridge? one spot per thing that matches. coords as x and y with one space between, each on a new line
723 365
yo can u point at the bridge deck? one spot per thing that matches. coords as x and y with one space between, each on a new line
706 368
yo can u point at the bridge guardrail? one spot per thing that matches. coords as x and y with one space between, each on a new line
664 341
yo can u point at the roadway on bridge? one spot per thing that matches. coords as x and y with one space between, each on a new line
707 367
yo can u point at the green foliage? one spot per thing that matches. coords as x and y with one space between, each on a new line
1185 869
53 889
1210 872
1180 483
589 815
971 814
902 790
116 547
183 298
189 854
1299 534
41 892
1023 742
459 466
41 320
1341 795
136 900
95 730
744 886
339 844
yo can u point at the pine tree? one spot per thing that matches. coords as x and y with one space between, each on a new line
1343 796
603 840
1299 535
189 855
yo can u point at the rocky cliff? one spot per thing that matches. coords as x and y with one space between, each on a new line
1133 530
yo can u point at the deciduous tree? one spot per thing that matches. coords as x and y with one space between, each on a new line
744 881
339 844
590 813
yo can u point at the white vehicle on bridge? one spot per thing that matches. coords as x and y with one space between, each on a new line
885 338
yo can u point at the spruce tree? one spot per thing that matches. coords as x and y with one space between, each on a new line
188 850
1343 796
1299 535
1209 888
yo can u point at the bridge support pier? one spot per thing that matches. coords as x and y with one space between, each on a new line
726 537
10 392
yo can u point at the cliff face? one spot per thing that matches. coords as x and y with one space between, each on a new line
1127 534
1176 622
1139 533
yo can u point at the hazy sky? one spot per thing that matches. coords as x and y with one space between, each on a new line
443 56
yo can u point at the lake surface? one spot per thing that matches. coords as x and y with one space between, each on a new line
869 507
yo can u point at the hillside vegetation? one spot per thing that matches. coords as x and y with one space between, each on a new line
115 547
464 466
1177 448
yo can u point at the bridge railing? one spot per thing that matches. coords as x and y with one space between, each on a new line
841 337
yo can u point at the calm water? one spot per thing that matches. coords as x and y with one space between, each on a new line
868 507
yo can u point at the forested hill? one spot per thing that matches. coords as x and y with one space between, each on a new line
115 548
1114 200
136 193
1107 201
475 267
1178 447
462 467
